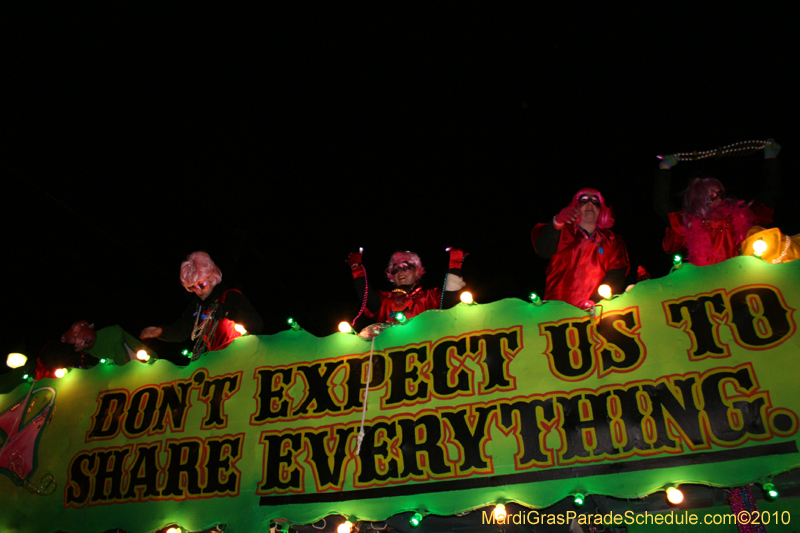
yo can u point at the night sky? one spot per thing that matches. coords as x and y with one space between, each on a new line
279 140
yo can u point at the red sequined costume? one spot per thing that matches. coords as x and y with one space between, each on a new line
716 238
410 304
581 262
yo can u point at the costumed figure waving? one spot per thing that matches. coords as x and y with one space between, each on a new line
211 317
408 297
582 250
712 227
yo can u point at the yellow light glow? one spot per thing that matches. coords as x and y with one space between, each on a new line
344 327
674 496
16 360
604 291
500 512
142 355
345 527
60 372
240 328
759 247
174 530
466 297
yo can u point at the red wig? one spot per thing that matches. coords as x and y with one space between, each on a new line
605 219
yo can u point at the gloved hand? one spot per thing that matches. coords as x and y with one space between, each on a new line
456 257
353 259
568 215
772 149
668 161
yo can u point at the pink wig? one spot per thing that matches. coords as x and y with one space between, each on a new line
700 194
197 267
399 258
605 219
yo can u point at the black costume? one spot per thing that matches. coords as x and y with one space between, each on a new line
213 320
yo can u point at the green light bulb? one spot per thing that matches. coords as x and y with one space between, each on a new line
771 491
535 298
400 317
677 259
579 499
415 519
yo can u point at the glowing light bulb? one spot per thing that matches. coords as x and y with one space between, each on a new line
759 247
60 372
240 328
677 260
415 519
500 512
604 291
16 360
535 298
770 490
466 297
293 324
142 355
578 500
400 317
174 529
344 327
674 495
345 527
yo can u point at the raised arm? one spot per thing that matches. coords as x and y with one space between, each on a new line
662 204
545 236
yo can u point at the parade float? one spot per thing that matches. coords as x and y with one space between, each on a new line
689 379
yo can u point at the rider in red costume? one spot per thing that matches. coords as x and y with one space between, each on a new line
710 228
584 253
405 270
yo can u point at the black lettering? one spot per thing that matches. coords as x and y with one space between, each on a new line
405 384
272 402
445 381
327 466
694 316
318 388
183 468
221 476
471 441
141 411
106 421
214 393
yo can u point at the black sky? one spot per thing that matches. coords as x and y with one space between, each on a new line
281 139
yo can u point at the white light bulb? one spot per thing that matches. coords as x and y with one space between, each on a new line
674 496
466 297
16 360
604 291
142 355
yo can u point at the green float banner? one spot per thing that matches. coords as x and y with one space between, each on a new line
684 379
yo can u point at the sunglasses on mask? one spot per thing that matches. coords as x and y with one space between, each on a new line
199 286
583 200
402 267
